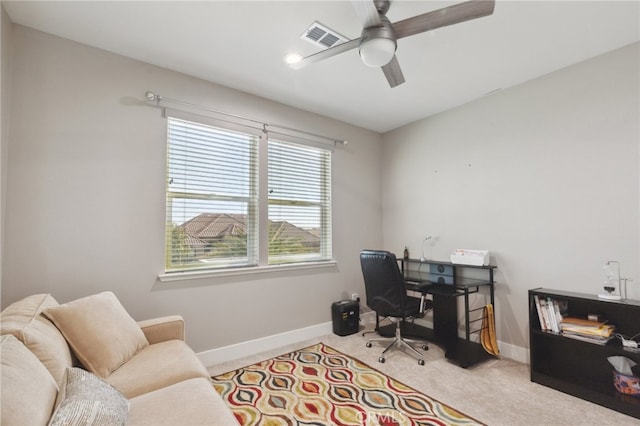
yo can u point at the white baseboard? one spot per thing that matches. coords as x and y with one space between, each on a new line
251 347
507 350
516 353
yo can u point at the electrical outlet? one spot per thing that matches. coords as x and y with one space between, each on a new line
355 296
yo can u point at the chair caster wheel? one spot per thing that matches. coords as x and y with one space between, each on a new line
381 360
425 347
421 361
368 344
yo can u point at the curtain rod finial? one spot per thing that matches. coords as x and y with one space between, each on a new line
151 96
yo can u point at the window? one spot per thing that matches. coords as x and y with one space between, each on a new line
230 206
299 203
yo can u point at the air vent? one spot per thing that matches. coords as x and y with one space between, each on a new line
322 36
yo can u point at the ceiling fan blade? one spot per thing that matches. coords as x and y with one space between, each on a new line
324 54
367 13
443 17
393 72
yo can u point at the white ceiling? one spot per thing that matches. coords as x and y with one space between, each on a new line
241 44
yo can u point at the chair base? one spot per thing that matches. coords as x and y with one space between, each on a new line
400 342
375 330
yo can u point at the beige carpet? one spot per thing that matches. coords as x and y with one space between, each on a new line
496 392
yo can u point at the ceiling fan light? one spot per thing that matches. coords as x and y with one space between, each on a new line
377 52
292 58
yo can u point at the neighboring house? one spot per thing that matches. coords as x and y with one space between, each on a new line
223 234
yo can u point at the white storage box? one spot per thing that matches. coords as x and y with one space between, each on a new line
470 257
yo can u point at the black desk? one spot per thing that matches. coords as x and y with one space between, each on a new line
427 277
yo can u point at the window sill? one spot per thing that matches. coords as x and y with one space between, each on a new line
234 272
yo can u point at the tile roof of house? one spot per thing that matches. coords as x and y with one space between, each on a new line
288 230
214 225
207 226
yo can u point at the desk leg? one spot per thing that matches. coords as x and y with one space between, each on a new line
493 303
467 324
445 319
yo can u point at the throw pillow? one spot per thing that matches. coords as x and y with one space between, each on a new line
28 391
85 399
23 320
99 330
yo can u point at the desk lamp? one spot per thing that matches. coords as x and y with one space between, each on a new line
424 242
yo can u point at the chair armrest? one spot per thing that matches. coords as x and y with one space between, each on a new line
161 329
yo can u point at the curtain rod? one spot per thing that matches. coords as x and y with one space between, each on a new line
154 97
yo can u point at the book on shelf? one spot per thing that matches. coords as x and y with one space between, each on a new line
585 338
586 327
553 318
539 309
583 322
551 312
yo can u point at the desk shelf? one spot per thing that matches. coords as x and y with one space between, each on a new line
427 277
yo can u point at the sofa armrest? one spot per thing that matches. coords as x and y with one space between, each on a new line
161 329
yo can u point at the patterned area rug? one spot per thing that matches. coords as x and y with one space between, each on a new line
320 386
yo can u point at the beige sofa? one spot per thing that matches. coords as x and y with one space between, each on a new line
135 373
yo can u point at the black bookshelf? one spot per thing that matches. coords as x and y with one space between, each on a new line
581 368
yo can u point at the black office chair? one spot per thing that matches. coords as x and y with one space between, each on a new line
387 296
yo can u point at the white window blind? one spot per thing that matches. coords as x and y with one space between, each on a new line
213 198
299 203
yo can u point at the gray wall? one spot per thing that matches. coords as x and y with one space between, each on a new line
545 175
5 95
85 196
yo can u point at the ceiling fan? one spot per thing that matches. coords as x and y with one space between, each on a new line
378 42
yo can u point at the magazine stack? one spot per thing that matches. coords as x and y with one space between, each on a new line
589 331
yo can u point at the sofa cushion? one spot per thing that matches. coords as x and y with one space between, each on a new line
99 330
166 406
84 398
24 320
28 389
156 366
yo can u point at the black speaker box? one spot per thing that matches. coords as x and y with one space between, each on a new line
442 274
346 317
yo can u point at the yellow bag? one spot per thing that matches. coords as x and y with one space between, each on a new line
488 331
